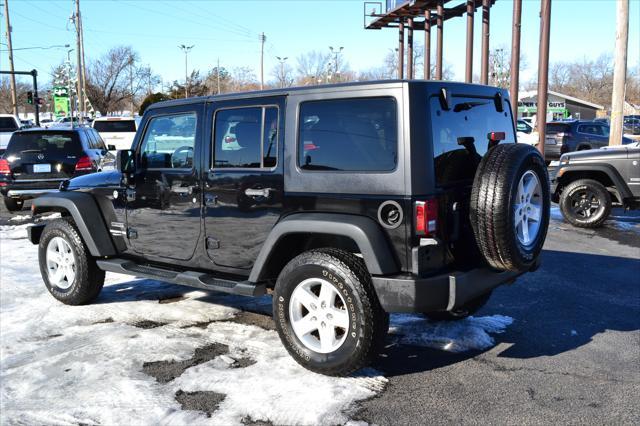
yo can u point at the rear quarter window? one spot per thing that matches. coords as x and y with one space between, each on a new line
467 118
348 135
554 128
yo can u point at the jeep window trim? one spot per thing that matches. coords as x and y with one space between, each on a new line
299 127
263 107
143 139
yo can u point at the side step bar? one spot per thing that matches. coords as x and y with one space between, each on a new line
188 278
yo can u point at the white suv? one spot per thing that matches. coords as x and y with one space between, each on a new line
117 131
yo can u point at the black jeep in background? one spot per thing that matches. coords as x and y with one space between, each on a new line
348 201
38 160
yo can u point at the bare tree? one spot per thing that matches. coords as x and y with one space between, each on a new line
116 78
243 79
312 67
283 74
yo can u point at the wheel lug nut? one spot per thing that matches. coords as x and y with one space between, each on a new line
323 305
329 316
314 319
322 324
313 306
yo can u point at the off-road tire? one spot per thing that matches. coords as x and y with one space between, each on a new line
493 206
89 279
12 204
588 186
368 324
463 312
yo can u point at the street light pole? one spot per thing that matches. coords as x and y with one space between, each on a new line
282 76
12 78
186 50
336 53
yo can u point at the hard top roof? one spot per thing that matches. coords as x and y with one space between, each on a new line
324 88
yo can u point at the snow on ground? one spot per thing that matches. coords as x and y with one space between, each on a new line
69 365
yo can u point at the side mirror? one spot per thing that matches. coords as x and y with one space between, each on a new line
125 164
111 147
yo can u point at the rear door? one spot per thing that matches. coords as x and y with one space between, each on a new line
163 205
244 184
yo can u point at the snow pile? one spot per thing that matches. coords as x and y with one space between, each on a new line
468 334
69 365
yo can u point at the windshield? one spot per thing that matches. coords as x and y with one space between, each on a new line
8 124
45 142
115 126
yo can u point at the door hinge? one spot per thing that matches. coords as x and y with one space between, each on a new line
212 243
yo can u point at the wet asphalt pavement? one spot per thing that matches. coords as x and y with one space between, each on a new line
572 354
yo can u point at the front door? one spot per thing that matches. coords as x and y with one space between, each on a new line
164 203
244 185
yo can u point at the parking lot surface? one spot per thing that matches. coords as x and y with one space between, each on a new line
562 345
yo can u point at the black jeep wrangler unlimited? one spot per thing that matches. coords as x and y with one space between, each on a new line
587 184
346 201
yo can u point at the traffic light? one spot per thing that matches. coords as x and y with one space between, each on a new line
30 98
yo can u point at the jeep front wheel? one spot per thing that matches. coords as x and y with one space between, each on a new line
327 313
68 270
585 203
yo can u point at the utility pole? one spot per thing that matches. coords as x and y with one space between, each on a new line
186 50
282 76
131 83
484 63
76 21
12 77
543 73
514 81
619 72
263 38
468 69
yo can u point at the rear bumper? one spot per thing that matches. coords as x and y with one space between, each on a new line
444 292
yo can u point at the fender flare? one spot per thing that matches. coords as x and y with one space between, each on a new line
364 231
607 169
85 213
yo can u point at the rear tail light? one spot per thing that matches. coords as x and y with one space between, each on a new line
426 217
229 139
84 164
560 136
4 167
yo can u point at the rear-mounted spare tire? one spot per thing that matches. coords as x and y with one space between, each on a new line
509 208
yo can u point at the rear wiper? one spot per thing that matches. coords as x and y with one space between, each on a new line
465 106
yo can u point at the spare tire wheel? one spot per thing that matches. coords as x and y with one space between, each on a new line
509 208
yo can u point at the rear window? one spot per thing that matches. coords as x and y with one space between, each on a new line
553 128
47 143
8 124
469 118
115 126
348 135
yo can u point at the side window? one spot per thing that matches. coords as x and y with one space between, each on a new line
169 142
246 137
99 142
348 135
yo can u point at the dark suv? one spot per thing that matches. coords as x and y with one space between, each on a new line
37 161
568 136
346 201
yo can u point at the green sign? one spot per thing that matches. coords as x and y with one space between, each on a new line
60 101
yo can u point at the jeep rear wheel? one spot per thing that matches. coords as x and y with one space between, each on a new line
68 270
510 206
327 313
585 203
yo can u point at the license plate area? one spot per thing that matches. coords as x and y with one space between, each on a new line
42 168
550 141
